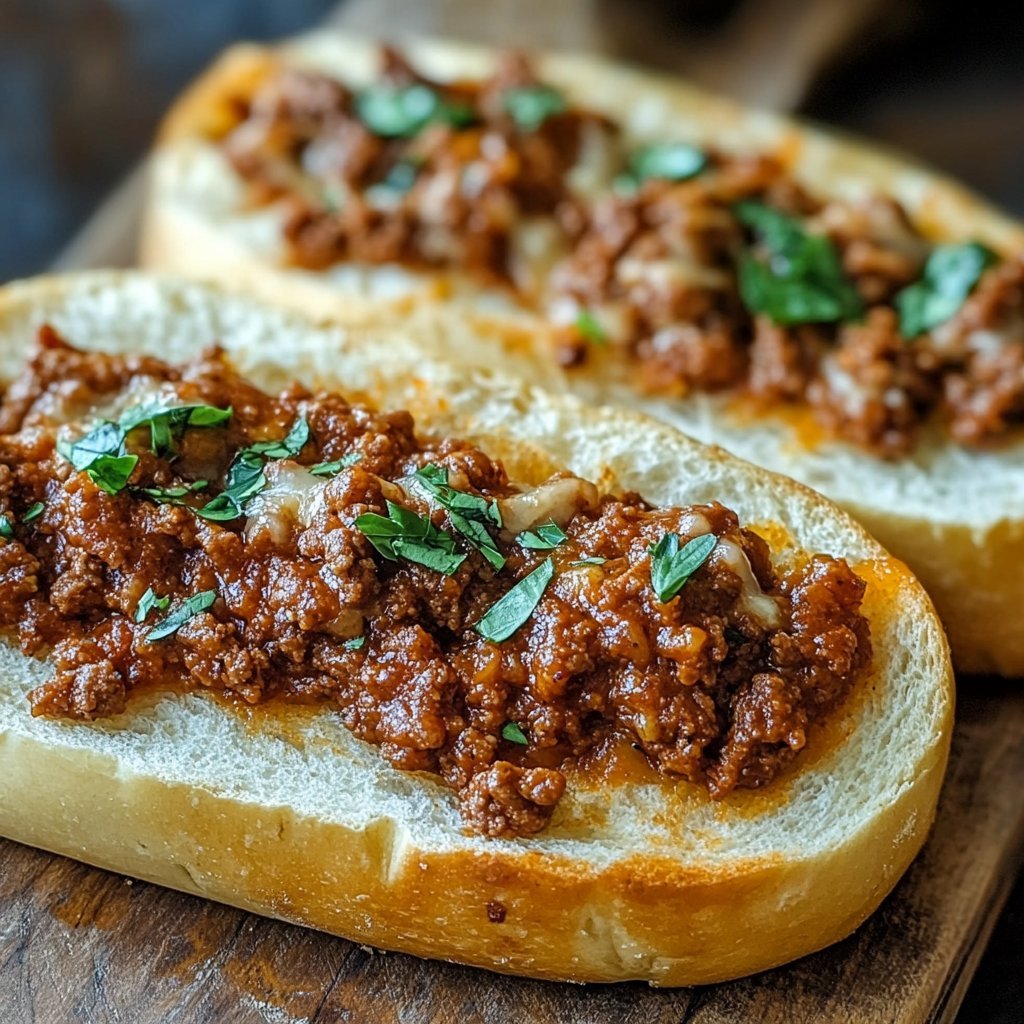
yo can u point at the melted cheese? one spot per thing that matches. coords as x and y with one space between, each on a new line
753 600
557 500
291 498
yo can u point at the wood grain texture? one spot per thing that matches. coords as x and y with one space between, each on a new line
83 946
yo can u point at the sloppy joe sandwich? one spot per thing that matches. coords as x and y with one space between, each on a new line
434 660
816 306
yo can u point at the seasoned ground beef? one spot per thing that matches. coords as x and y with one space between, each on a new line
640 255
145 574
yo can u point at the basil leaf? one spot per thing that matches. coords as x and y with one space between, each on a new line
669 161
671 567
803 279
188 609
950 275
288 447
166 423
148 602
33 512
105 439
402 112
6 528
171 495
331 468
547 536
469 513
513 732
591 560
110 473
405 534
245 478
508 613
588 327
355 644
531 105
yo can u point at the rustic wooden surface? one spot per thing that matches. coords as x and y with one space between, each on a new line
82 945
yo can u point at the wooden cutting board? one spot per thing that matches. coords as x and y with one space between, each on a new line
82 945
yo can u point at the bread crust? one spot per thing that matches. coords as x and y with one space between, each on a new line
286 814
962 525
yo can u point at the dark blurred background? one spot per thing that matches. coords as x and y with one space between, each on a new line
83 84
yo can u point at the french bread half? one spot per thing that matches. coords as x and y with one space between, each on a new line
955 515
287 814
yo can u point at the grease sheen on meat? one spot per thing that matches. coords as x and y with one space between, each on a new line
717 685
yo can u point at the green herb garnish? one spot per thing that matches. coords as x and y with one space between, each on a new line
531 105
400 179
470 514
513 732
950 274
672 567
245 477
188 609
355 644
101 455
588 327
509 612
669 161
590 560
547 536
405 534
148 602
167 423
6 528
171 495
33 512
332 468
403 112
802 279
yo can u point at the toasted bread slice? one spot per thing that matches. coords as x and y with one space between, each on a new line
288 814
956 516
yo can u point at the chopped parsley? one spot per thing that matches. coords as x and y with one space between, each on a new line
801 280
513 732
470 514
547 536
402 112
949 276
590 560
332 468
188 609
512 610
531 105
355 644
399 179
288 447
589 328
245 476
406 534
102 453
6 527
167 423
669 161
148 602
671 567
33 512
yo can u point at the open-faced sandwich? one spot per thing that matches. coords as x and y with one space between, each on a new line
434 660
813 305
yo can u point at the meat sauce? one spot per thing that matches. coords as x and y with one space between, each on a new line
648 251
176 527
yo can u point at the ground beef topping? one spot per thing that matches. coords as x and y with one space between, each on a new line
706 270
175 527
